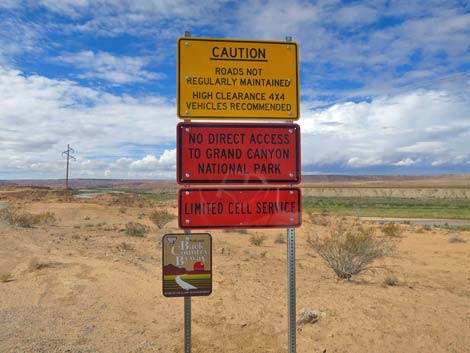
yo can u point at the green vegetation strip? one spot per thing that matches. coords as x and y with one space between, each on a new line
158 197
353 206
389 207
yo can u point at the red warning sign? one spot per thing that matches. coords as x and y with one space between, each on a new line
212 153
239 208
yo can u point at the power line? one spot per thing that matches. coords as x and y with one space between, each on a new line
67 153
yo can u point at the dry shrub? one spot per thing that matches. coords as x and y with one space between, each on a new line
125 246
322 219
280 239
135 229
161 217
391 230
456 239
19 218
350 250
390 280
35 264
257 240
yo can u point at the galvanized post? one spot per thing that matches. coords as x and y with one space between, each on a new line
187 319
291 293
187 324
187 300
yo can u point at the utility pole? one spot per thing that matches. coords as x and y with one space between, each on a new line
67 153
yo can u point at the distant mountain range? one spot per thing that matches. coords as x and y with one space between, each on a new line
169 185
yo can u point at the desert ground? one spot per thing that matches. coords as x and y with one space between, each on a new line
75 281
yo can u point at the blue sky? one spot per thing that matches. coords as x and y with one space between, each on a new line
385 84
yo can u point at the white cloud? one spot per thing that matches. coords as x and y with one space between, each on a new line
40 116
355 15
405 162
9 4
407 128
157 18
423 147
115 69
150 166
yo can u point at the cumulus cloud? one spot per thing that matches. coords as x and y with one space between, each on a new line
115 69
382 84
405 162
40 116
425 128
423 147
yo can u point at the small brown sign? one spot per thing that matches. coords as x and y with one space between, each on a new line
187 265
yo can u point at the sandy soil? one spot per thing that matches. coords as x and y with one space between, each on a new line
83 285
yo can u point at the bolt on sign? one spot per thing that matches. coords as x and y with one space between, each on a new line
229 153
187 264
237 79
200 208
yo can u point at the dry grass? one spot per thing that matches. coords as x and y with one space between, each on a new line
125 246
391 230
323 219
19 218
8 277
280 239
35 264
135 229
390 280
350 250
257 240
456 239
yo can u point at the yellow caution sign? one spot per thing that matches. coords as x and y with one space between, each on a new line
237 79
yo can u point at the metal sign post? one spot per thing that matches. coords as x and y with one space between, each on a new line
187 319
291 294
187 324
187 300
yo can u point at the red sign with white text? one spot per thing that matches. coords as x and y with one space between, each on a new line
213 153
200 208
